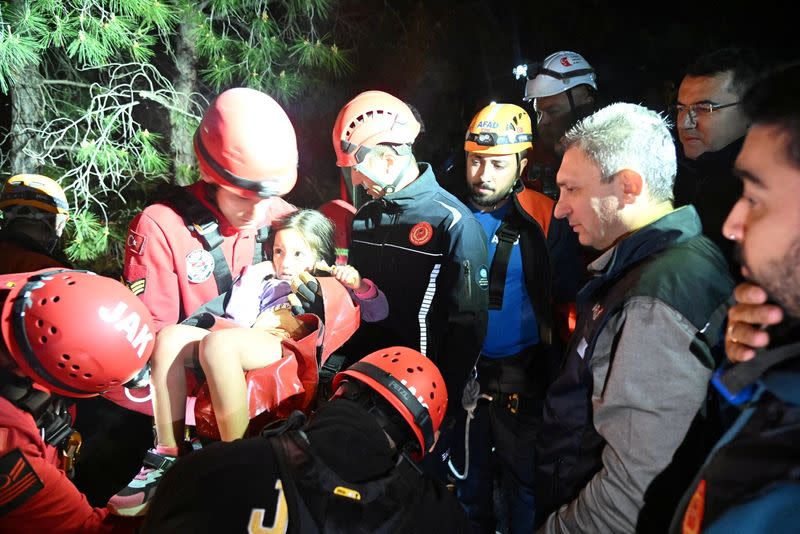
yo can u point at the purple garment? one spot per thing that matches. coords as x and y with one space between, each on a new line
243 307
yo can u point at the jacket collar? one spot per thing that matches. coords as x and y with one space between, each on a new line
676 226
423 186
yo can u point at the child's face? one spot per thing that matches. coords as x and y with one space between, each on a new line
291 254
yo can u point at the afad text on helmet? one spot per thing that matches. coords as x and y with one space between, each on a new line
129 323
488 124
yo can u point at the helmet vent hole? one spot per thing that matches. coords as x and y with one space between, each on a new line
75 367
43 339
87 375
42 302
65 356
71 283
409 370
53 330
73 375
39 323
385 356
395 360
432 395
56 298
61 365
419 368
433 384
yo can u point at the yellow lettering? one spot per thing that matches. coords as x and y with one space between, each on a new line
280 525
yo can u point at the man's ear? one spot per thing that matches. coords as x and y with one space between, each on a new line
632 185
388 160
523 163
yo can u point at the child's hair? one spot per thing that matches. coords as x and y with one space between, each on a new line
315 228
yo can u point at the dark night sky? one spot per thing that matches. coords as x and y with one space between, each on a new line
450 58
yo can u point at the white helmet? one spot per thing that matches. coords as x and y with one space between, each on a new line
559 72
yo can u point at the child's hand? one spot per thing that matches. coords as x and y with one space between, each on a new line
348 276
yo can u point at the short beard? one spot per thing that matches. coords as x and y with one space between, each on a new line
486 201
781 280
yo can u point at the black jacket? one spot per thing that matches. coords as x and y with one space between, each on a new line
709 185
337 474
426 251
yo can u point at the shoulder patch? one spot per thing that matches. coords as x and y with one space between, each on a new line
420 233
136 243
18 481
136 286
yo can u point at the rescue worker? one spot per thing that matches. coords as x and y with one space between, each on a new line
414 240
183 252
562 90
35 212
350 469
532 284
65 334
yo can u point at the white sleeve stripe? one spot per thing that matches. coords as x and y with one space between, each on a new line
425 308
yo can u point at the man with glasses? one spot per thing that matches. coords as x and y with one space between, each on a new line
710 126
562 90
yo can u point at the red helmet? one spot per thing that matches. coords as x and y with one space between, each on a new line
246 144
74 332
408 381
371 118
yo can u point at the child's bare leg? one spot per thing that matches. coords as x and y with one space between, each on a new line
176 346
224 355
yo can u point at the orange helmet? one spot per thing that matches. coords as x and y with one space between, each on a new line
74 332
36 191
410 382
499 129
370 119
246 144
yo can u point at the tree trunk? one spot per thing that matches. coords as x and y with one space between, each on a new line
185 83
26 119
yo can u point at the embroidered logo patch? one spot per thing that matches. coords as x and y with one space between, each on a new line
199 265
136 243
420 233
597 309
136 286
482 277
18 481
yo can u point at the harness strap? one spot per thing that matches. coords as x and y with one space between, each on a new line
49 412
507 234
200 220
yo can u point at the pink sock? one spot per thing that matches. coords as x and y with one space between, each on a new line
167 451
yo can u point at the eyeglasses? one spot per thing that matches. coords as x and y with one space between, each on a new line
700 109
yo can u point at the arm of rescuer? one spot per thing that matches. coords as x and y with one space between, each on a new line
468 305
149 263
37 496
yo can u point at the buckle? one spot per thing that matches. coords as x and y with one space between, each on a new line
512 402
206 228
157 461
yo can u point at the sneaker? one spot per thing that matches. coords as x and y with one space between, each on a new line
133 499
